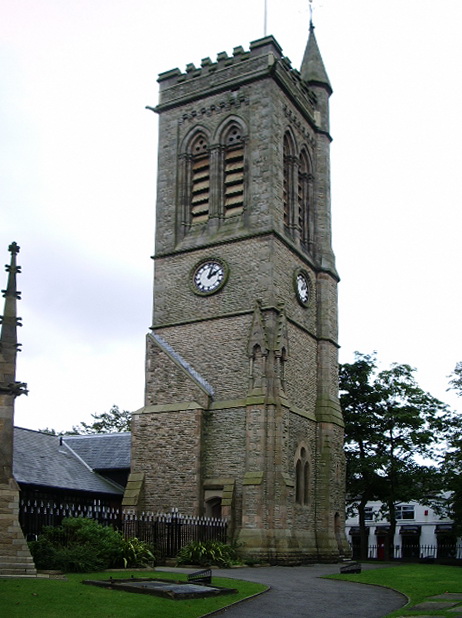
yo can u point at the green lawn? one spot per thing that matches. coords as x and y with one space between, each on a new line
55 598
416 581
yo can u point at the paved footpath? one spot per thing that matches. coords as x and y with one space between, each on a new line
300 592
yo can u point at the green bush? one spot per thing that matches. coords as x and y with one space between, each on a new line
84 545
137 553
206 553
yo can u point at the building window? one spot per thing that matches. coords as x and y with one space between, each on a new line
233 172
200 180
297 192
404 511
303 199
288 183
368 513
302 478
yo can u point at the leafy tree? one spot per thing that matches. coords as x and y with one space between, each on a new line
359 400
455 382
51 432
114 421
452 461
389 420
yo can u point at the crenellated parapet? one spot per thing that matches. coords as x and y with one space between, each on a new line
229 73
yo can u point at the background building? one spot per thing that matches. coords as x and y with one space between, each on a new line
420 533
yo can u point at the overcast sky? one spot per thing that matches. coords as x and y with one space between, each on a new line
78 175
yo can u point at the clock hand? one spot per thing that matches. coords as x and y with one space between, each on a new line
212 273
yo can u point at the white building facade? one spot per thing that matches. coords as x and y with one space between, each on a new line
420 534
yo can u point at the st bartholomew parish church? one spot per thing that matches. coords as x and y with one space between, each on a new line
241 417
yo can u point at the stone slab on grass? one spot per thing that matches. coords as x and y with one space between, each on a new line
433 605
449 596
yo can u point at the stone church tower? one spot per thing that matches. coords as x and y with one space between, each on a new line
241 415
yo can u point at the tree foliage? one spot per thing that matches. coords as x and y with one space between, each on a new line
389 422
114 421
455 381
452 460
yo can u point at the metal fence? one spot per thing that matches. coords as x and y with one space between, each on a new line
441 551
168 532
34 515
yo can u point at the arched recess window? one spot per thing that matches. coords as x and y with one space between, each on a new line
288 190
303 199
298 482
257 367
200 179
302 478
233 172
213 507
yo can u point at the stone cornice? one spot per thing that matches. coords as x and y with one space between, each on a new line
307 258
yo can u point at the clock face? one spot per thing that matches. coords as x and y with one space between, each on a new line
302 288
209 276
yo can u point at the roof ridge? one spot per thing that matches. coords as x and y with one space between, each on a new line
98 435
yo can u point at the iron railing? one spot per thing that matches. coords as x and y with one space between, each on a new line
167 532
440 551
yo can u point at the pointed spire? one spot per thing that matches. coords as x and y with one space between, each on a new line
312 70
9 321
8 335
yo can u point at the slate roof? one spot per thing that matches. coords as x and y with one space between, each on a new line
41 459
102 451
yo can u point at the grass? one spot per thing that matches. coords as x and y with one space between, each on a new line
55 598
416 581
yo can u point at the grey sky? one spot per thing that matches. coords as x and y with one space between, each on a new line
78 167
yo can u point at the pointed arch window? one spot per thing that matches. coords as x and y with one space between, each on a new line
233 172
303 199
288 174
200 180
302 478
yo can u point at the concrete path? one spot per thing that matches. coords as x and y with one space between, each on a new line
300 592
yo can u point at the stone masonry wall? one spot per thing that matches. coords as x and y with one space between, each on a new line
166 382
15 557
303 434
167 448
217 351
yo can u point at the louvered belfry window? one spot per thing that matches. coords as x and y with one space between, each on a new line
200 180
287 182
234 173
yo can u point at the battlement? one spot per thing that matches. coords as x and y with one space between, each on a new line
257 48
263 59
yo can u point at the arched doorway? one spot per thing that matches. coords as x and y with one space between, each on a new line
213 507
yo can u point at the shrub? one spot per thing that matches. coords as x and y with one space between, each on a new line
137 553
84 545
205 553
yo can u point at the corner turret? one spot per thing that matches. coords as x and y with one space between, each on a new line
312 70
